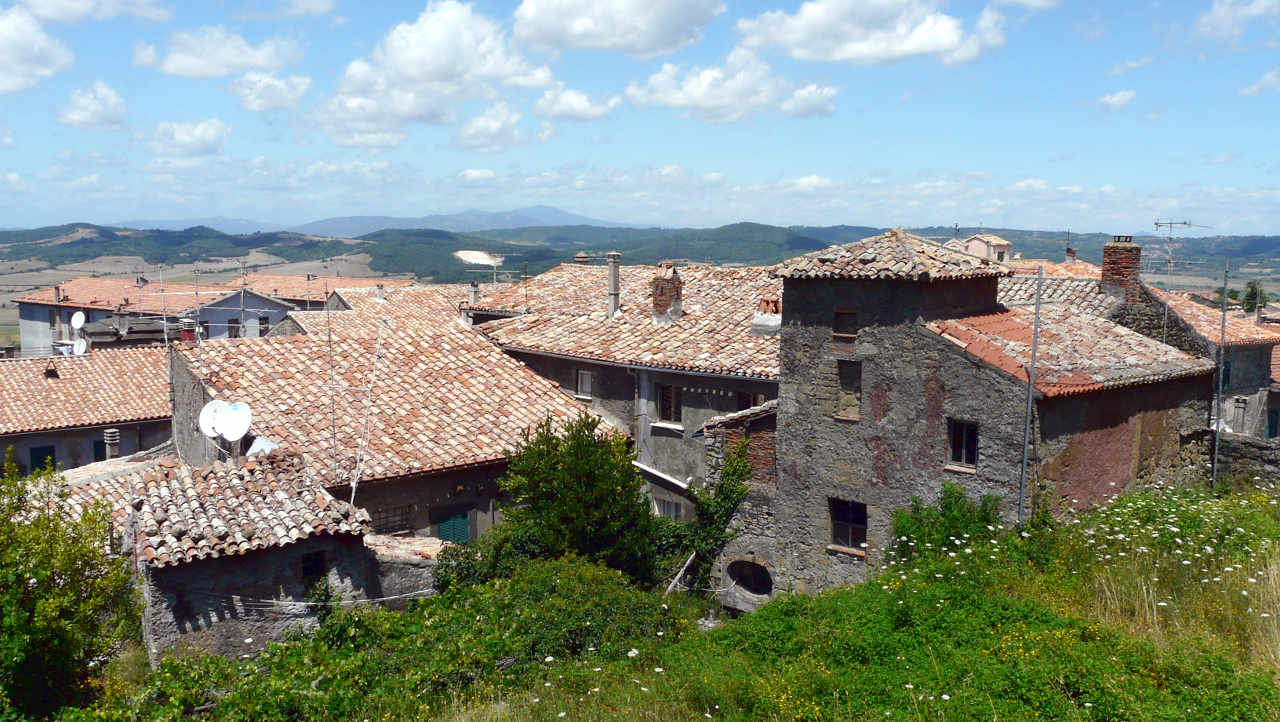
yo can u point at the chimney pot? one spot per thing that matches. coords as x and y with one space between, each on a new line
473 294
111 440
187 330
1071 255
615 282
581 258
1122 268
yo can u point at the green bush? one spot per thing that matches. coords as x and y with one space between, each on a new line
64 603
926 530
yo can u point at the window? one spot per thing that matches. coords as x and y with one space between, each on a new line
583 388
264 325
204 329
99 450
391 520
454 527
844 326
41 455
747 401
670 509
1273 423
849 401
53 319
670 404
233 328
1226 374
312 568
964 442
1000 256
848 524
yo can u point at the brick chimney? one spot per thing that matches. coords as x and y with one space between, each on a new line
187 330
111 440
615 282
666 288
1122 268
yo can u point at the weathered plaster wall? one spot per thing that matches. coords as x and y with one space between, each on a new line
219 313
912 382
74 447
1093 445
613 392
209 605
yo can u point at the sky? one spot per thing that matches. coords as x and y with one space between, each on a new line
1043 114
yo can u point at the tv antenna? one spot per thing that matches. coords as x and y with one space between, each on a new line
1168 227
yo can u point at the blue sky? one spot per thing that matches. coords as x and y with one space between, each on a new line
1023 113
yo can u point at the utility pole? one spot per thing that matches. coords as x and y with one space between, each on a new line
1217 398
1031 385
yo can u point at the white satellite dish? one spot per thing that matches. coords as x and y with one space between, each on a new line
77 320
209 416
79 347
233 423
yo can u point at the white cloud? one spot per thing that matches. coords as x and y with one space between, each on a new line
640 27
27 53
1117 100
491 131
84 182
1128 65
1268 81
420 71
474 175
873 32
812 99
546 132
744 83
310 7
200 138
212 51
261 92
1230 18
1030 184
97 106
1031 4
806 184
15 182
66 11
1221 159
144 54
559 102
6 138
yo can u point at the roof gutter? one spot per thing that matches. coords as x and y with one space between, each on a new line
645 367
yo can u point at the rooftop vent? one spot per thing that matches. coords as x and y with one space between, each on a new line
767 320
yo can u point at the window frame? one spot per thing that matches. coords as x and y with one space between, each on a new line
392 520
264 325
836 325
578 391
848 522
233 328
204 329
662 506
51 457
966 448
1226 374
669 398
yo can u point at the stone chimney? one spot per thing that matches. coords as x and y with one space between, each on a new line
473 294
111 440
666 288
1122 269
1071 255
187 330
581 258
615 282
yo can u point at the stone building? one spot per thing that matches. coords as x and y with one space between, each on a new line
112 304
310 292
414 408
59 408
983 245
655 350
900 370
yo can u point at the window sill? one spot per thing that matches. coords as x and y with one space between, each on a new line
847 419
960 468
844 337
668 425
847 551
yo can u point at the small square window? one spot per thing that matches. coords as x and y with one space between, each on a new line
849 400
42 456
670 405
264 325
670 509
844 325
233 328
964 442
391 520
584 383
99 450
312 567
848 523
204 329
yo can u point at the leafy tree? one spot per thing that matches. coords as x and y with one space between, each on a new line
714 508
1253 296
574 489
64 601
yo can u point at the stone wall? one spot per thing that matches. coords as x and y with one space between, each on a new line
189 397
1149 317
1248 457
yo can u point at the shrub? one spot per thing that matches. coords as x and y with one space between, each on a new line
925 529
714 507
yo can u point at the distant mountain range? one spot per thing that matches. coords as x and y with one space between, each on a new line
355 226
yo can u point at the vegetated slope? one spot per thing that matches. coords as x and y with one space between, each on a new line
1161 606
466 221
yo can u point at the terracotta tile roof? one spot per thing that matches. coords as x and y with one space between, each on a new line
1078 352
712 336
1207 321
568 288
124 294
297 288
892 255
108 386
269 500
439 400
421 308
767 408
1056 269
1083 294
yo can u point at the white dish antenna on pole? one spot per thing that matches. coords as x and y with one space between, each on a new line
77 320
79 347
209 416
233 423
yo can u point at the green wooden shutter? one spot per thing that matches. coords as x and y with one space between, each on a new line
455 528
